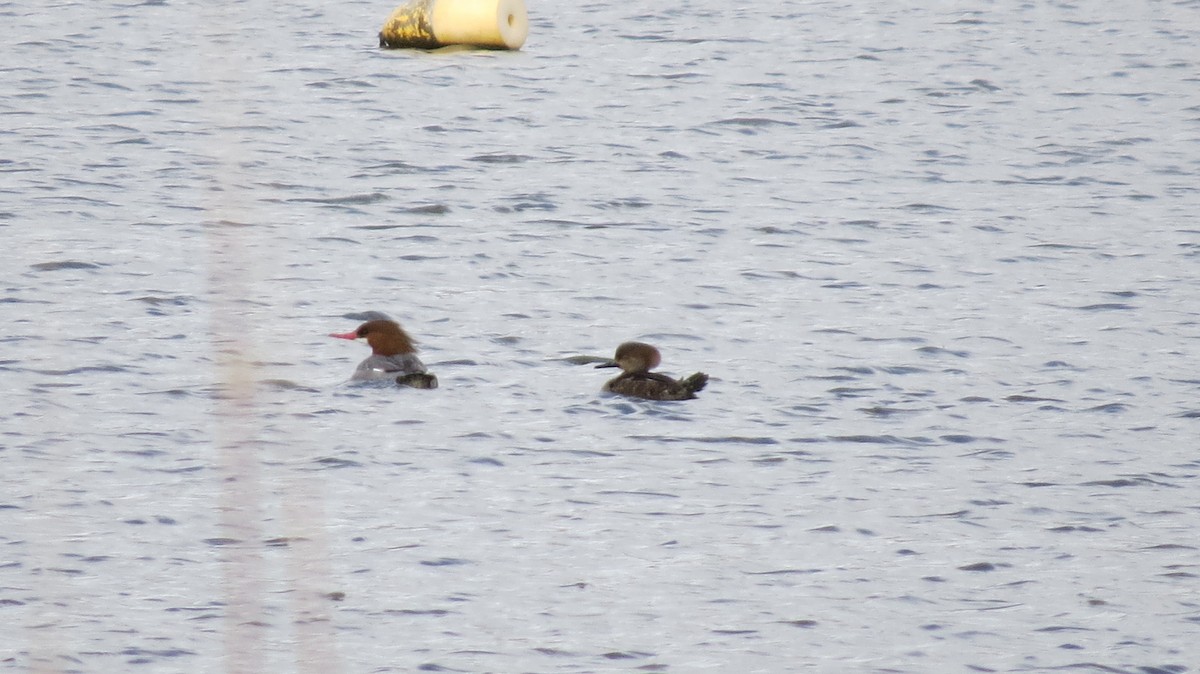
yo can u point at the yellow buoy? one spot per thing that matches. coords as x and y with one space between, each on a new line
426 24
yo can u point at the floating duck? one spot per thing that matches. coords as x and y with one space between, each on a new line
393 355
636 359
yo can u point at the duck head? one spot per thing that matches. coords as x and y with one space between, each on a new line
635 358
386 338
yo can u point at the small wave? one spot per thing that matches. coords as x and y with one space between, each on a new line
429 209
783 572
878 440
1107 306
1109 408
350 200
926 208
446 561
1124 482
958 438
884 412
1019 398
730 439
63 264
395 167
648 494
140 653
434 612
501 158
335 462
80 370
155 301
939 351
978 566
753 122
1069 528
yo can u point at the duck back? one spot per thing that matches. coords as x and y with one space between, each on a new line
388 367
654 386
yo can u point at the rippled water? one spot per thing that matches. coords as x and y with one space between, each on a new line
942 265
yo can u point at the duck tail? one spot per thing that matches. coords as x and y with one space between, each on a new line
418 380
696 382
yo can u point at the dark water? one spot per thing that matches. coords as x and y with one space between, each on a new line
942 265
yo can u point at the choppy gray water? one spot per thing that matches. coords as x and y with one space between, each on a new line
942 265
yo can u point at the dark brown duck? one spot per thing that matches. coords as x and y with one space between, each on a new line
636 359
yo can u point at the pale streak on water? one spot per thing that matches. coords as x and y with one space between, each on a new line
942 264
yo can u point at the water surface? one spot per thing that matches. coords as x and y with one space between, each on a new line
940 263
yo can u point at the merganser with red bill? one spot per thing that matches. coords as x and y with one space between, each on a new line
637 381
393 355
